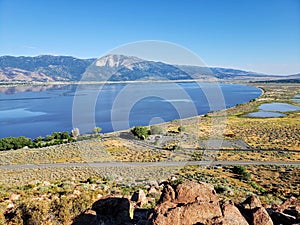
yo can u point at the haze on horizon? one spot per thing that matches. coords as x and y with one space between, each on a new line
259 36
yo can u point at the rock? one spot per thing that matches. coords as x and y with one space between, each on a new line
232 215
46 183
287 213
139 197
142 222
141 214
189 214
10 205
290 203
14 197
152 190
192 191
88 217
254 212
252 202
282 218
154 184
190 203
167 195
291 207
261 217
112 210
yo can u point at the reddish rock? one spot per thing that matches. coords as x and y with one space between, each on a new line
232 215
191 203
287 213
189 214
253 211
291 203
191 191
167 195
252 202
261 217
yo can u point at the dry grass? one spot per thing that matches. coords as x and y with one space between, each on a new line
272 183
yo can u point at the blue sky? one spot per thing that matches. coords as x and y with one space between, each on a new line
257 35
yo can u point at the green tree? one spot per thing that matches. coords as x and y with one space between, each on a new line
14 143
97 130
49 138
65 135
140 132
38 139
56 135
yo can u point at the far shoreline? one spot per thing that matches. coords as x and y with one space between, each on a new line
34 83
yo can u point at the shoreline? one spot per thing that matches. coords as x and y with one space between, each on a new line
12 84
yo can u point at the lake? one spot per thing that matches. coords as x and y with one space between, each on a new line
34 111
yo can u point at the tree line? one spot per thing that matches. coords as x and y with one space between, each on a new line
55 138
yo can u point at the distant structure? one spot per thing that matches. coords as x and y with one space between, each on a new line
75 132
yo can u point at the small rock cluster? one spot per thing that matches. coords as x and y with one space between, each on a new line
188 203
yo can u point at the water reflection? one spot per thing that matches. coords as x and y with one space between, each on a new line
10 90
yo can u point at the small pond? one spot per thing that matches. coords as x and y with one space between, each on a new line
274 109
279 107
265 114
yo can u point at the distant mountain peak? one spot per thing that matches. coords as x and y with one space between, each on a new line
117 60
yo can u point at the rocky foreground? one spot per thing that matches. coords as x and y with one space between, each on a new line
188 203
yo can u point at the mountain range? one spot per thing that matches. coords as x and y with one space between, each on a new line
49 68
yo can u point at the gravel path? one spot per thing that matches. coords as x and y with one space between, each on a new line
146 164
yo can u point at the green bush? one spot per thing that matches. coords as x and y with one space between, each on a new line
140 132
97 130
14 143
241 170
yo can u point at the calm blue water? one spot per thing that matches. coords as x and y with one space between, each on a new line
265 114
275 109
279 107
39 111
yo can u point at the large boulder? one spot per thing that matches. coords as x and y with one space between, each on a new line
167 195
188 204
232 215
261 217
191 192
254 212
252 202
112 211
